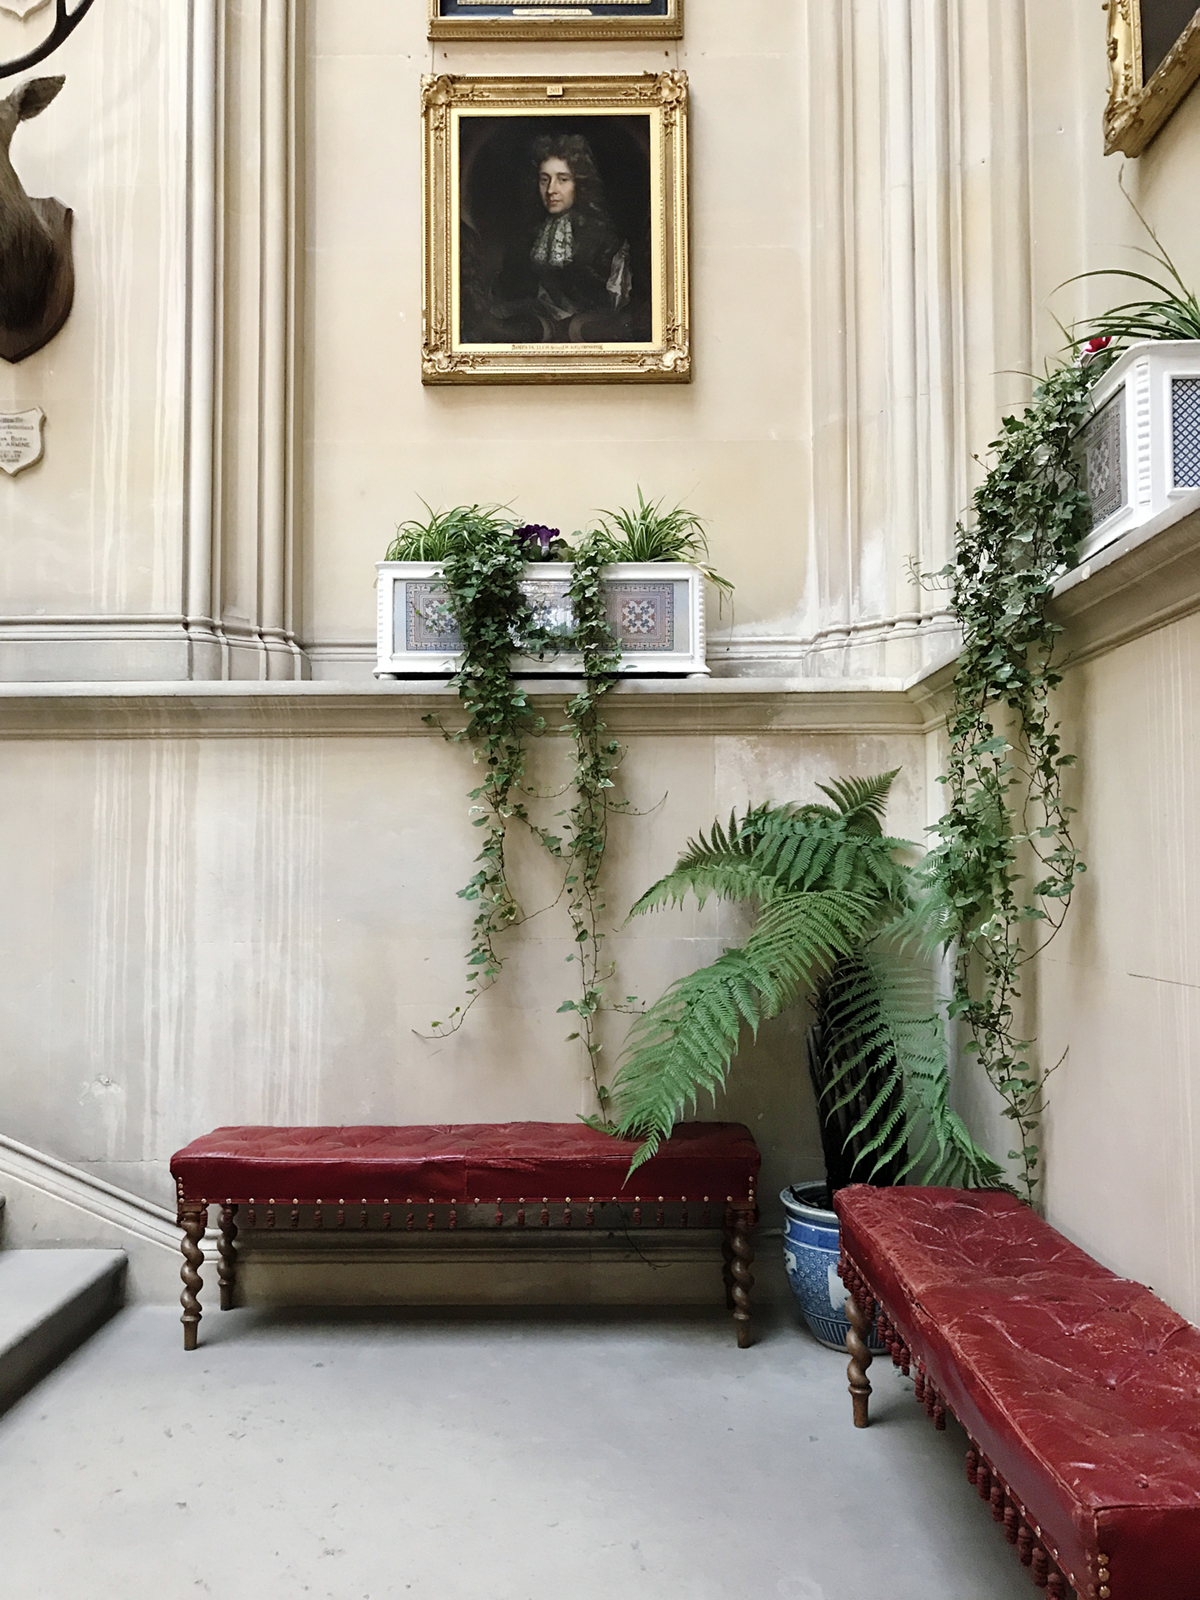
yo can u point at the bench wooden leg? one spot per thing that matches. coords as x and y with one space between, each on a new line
742 1244
727 1265
227 1257
193 1220
860 1360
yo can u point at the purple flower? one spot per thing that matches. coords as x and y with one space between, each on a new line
533 533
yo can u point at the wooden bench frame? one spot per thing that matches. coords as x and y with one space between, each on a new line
737 1222
443 1176
1099 1522
866 1315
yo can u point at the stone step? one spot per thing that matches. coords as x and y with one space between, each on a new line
50 1301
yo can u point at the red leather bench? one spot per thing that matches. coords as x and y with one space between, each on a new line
441 1176
1080 1391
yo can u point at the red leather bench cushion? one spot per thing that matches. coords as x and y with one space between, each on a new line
1081 1388
464 1162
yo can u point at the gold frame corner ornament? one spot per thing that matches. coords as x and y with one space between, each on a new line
560 20
1136 112
663 96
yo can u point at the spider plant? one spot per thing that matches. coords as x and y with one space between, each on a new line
432 539
1173 314
648 533
829 885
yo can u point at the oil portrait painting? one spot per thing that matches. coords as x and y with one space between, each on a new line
556 230
1153 60
556 19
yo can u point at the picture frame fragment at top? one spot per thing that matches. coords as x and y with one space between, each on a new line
1139 107
561 20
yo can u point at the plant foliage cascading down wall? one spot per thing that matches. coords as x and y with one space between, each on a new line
1004 859
997 882
484 557
1004 862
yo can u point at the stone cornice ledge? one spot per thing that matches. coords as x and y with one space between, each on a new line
1142 582
687 707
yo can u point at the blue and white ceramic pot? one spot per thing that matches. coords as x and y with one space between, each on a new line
810 1254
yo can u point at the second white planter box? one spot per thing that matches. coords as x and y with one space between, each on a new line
656 610
1141 447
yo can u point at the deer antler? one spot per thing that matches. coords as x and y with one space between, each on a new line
65 23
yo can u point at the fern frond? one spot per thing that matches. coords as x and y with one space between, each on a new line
880 1037
683 1046
805 852
864 798
719 862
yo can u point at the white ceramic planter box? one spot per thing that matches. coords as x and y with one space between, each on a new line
656 609
1141 448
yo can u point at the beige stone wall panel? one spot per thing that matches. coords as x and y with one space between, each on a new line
93 531
212 924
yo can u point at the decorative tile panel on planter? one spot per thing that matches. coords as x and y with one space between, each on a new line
655 608
1141 448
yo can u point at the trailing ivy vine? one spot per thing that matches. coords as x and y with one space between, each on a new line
482 569
1004 857
483 558
596 761
484 561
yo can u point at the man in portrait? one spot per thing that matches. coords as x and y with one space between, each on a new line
546 256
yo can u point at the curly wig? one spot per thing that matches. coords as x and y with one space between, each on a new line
575 150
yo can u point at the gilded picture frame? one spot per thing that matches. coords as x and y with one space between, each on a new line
556 229
556 19
1139 106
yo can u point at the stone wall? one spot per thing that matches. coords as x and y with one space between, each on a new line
230 905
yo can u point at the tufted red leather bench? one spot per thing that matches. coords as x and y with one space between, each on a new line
1080 1391
442 1175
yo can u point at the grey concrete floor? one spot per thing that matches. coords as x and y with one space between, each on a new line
506 1456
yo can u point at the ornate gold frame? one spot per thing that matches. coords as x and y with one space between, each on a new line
666 358
562 26
1136 112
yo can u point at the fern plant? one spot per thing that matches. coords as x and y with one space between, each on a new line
829 885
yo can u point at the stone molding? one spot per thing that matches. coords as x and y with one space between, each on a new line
101 1200
918 141
243 309
731 707
1140 583
52 1204
888 647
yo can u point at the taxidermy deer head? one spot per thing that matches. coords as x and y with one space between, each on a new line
37 275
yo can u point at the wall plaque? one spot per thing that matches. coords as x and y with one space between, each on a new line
20 439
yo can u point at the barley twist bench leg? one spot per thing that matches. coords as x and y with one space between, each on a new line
743 1279
227 1260
860 1359
193 1220
727 1266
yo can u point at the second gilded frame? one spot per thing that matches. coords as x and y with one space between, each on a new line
558 19
556 230
1152 63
